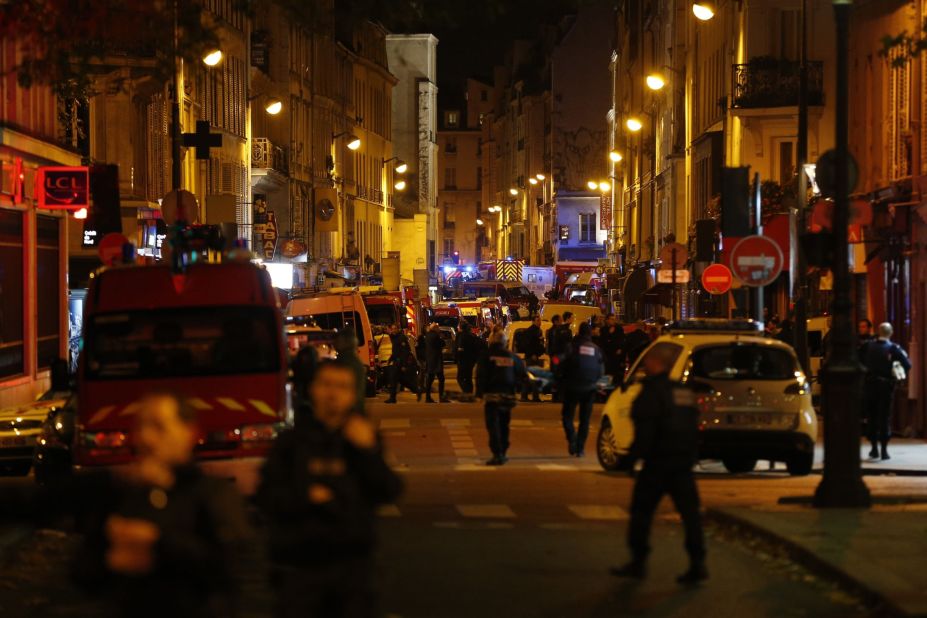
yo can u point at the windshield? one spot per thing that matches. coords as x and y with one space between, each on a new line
449 321
479 290
519 292
381 315
743 362
182 342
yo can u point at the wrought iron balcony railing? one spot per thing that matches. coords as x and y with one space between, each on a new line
770 82
265 155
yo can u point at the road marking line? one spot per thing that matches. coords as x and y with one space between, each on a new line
394 423
521 423
548 467
455 442
470 467
388 510
446 524
454 431
394 434
450 422
598 511
486 511
568 526
466 452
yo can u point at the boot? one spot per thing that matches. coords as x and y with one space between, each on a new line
885 451
696 574
874 452
636 569
390 400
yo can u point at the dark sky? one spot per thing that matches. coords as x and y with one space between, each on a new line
473 34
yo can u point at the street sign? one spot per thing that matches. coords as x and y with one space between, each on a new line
180 205
666 276
666 255
110 249
756 261
825 173
717 279
269 240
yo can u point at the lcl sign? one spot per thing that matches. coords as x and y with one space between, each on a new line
63 187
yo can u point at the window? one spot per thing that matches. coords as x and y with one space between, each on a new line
448 246
450 146
452 118
47 290
12 347
450 178
587 227
785 161
743 362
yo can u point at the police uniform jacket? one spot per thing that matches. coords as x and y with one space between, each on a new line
434 359
665 424
498 371
402 352
582 367
878 355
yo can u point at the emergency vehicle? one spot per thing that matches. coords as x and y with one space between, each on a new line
212 332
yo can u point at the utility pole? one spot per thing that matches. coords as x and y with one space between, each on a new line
800 329
175 105
842 483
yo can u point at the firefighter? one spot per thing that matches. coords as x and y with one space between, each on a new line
580 370
401 360
469 349
319 490
666 439
497 375
434 363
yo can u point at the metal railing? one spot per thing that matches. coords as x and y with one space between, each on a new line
769 82
265 155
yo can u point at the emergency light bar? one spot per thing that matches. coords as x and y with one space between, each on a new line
716 325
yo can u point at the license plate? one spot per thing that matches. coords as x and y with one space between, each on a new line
750 419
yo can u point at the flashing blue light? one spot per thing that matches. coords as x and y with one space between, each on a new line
508 258
448 269
469 269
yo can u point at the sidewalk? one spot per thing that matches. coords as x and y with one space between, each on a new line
881 552
908 457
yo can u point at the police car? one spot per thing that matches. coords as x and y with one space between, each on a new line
754 400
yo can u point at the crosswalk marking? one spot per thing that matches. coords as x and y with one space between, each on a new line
598 511
466 452
394 423
557 467
486 511
450 422
471 467
521 423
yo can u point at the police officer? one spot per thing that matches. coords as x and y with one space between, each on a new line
420 354
561 335
400 359
879 356
497 374
580 371
666 439
434 362
469 349
532 346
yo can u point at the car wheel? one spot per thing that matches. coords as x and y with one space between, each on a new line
739 465
800 465
606 447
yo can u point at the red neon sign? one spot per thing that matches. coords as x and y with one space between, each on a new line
66 188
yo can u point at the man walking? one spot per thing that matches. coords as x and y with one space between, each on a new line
561 335
319 490
880 357
469 348
580 371
401 360
496 376
666 439
434 363
612 348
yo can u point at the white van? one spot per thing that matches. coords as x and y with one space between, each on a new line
335 309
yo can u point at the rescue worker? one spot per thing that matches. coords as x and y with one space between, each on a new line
532 346
879 357
469 349
497 374
422 366
319 490
612 344
401 360
580 371
160 537
434 363
666 439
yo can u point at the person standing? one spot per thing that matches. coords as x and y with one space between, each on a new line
880 356
469 348
560 342
434 363
533 303
420 354
864 332
636 342
400 360
612 348
319 489
497 374
666 438
555 322
532 346
580 371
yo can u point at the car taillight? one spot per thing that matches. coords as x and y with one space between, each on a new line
105 439
264 432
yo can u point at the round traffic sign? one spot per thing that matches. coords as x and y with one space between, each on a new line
110 248
717 279
756 261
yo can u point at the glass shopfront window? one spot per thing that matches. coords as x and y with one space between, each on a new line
48 290
12 330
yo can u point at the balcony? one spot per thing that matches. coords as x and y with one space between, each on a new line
770 82
265 155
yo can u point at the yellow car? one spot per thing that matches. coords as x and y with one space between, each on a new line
754 400
20 426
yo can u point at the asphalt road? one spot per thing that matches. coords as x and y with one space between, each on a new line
532 538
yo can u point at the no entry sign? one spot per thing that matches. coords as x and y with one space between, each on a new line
717 279
756 261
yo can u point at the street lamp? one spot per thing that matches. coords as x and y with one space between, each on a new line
615 157
655 81
212 57
634 124
703 11
273 106
533 181
604 186
400 185
593 185
540 176
513 191
479 222
352 142
401 166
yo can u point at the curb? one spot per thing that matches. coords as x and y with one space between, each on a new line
809 560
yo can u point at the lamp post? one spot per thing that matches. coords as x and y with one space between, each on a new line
841 483
801 266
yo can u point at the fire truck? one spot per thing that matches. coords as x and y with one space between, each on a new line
212 332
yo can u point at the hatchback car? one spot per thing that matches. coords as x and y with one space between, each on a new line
754 400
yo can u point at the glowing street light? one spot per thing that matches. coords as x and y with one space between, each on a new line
273 106
400 185
401 167
593 185
655 81
703 11
604 187
354 142
80 214
533 181
540 176
615 157
479 222
634 124
513 191
212 57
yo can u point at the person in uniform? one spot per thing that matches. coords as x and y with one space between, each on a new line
532 346
319 490
580 370
434 363
400 360
422 366
497 374
879 356
469 348
666 438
